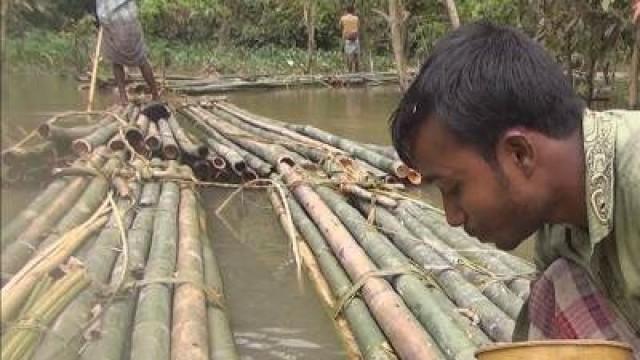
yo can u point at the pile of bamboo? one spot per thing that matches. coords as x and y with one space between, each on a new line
113 259
398 282
222 84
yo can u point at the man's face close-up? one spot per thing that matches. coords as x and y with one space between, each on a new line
490 202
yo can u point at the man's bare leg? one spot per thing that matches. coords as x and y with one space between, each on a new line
147 74
118 74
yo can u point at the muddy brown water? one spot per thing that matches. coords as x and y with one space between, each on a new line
274 316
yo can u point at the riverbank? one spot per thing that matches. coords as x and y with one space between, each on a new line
70 52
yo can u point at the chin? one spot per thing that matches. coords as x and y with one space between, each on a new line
506 244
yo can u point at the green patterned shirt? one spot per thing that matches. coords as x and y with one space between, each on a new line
610 248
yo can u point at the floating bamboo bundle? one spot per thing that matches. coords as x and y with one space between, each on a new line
397 281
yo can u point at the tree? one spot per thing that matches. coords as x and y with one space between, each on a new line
452 11
310 25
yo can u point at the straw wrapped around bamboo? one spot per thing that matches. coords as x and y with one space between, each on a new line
189 327
110 341
65 339
404 332
170 148
17 225
151 336
370 339
16 254
221 343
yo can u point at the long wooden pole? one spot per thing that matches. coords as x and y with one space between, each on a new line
94 71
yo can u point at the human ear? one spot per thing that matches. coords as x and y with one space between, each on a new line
517 148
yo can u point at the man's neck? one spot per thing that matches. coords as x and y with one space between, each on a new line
569 189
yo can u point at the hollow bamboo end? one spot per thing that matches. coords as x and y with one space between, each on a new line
249 175
218 162
153 142
203 151
414 177
116 144
81 147
44 130
134 136
401 170
239 167
203 170
171 152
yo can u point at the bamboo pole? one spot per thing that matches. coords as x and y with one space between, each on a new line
370 339
253 161
186 144
65 339
19 341
88 202
189 326
432 247
17 290
153 139
151 333
111 340
16 156
94 71
18 225
16 254
450 338
493 320
394 167
402 329
170 148
317 278
221 343
465 244
85 145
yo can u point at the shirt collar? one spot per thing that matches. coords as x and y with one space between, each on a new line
599 136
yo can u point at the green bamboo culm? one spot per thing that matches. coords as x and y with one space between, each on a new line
17 253
221 343
112 341
433 249
19 341
488 259
371 341
151 336
189 334
12 230
450 339
66 338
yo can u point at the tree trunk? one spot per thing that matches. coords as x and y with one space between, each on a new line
452 11
225 25
633 70
309 21
397 22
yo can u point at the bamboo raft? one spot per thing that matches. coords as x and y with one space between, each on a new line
223 84
113 259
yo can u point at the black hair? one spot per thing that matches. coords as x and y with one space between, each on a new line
351 9
481 80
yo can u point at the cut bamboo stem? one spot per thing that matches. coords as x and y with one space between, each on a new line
402 329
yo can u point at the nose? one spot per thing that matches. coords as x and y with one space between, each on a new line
454 214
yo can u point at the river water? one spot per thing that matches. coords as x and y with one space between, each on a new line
274 315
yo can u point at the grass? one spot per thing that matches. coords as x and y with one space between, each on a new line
70 52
